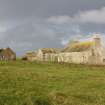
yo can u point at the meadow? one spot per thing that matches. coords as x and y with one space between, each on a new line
31 83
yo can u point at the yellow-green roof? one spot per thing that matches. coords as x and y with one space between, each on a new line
29 53
49 50
78 47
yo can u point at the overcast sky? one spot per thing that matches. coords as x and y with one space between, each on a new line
27 25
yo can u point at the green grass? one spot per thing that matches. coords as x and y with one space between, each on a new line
25 83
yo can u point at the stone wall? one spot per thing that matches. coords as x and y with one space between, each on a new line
74 57
51 57
85 57
40 55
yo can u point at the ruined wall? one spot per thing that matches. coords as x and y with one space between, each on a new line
97 56
34 58
40 55
74 57
51 57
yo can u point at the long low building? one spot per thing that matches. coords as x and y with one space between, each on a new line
88 52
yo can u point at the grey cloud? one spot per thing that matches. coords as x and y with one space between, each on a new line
96 16
24 25
38 34
18 9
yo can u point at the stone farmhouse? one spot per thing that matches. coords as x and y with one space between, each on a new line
48 54
7 54
85 52
30 56
89 52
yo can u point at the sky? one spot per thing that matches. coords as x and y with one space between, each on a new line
26 25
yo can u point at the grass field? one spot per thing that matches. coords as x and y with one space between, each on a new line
27 83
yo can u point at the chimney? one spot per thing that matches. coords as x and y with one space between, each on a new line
97 41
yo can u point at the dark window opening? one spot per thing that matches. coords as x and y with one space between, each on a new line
103 60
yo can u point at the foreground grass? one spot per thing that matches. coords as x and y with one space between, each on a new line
24 83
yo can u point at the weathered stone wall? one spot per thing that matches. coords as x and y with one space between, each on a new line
32 58
74 57
96 56
40 55
51 57
86 57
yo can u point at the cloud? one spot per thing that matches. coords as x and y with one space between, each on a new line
33 34
93 16
60 19
55 31
31 24
96 16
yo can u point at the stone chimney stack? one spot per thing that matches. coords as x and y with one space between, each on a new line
97 40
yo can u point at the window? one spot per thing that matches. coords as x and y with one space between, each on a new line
104 60
93 53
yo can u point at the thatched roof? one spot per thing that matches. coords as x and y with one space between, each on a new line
49 50
30 54
7 53
78 47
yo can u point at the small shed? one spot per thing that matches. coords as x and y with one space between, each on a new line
7 54
30 56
